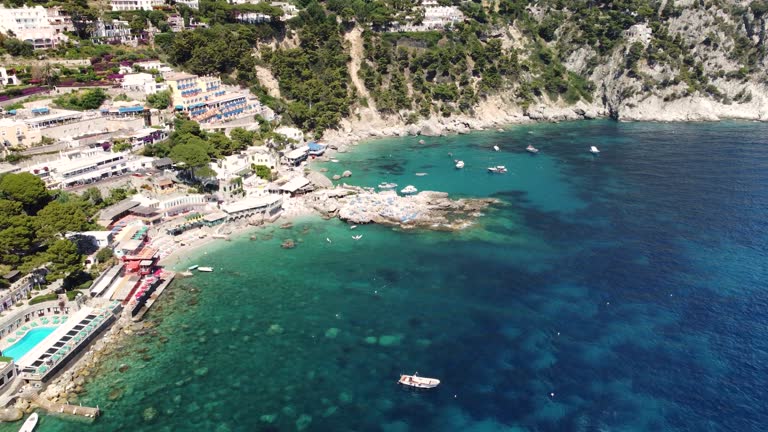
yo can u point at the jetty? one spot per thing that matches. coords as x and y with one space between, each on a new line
142 307
55 407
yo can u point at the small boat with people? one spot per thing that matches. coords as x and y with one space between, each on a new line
531 149
496 148
357 237
408 190
459 164
498 169
29 423
419 382
594 150
387 185
192 267
205 269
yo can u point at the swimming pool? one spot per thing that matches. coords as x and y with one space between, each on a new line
32 338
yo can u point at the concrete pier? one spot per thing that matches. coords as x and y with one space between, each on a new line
53 407
138 314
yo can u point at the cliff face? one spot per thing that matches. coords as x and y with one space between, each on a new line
632 60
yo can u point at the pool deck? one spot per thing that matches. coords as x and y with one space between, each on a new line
53 352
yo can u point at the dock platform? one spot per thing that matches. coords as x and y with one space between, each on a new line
167 277
54 407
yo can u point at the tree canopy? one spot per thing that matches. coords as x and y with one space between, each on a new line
25 188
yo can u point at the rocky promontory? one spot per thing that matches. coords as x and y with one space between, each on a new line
427 209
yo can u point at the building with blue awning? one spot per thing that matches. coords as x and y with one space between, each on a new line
316 149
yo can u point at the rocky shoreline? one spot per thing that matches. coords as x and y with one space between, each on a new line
499 112
67 387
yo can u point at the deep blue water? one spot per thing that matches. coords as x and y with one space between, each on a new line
624 292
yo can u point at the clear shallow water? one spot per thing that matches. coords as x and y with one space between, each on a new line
618 293
29 341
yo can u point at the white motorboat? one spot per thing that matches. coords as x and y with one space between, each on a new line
387 185
594 150
499 169
190 268
531 149
409 190
357 237
205 269
496 148
459 164
418 382
353 227
420 174
29 424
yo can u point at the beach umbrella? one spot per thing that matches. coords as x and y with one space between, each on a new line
25 328
19 333
34 324
11 340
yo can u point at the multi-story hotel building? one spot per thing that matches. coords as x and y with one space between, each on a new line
132 5
204 98
43 28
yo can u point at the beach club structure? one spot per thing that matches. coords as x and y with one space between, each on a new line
67 340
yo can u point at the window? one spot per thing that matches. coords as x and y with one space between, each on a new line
10 374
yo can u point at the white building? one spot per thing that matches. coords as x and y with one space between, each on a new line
173 205
268 205
176 23
194 4
83 166
136 81
142 82
6 79
132 5
437 17
291 133
97 239
148 65
289 10
33 25
252 18
112 30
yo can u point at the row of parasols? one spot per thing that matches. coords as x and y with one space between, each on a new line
23 330
79 337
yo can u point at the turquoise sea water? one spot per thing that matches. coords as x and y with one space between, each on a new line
624 292
29 341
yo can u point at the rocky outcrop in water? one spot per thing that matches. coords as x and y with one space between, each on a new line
428 209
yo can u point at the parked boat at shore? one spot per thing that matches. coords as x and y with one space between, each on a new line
30 423
418 382
409 190
205 269
387 185
192 267
531 149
